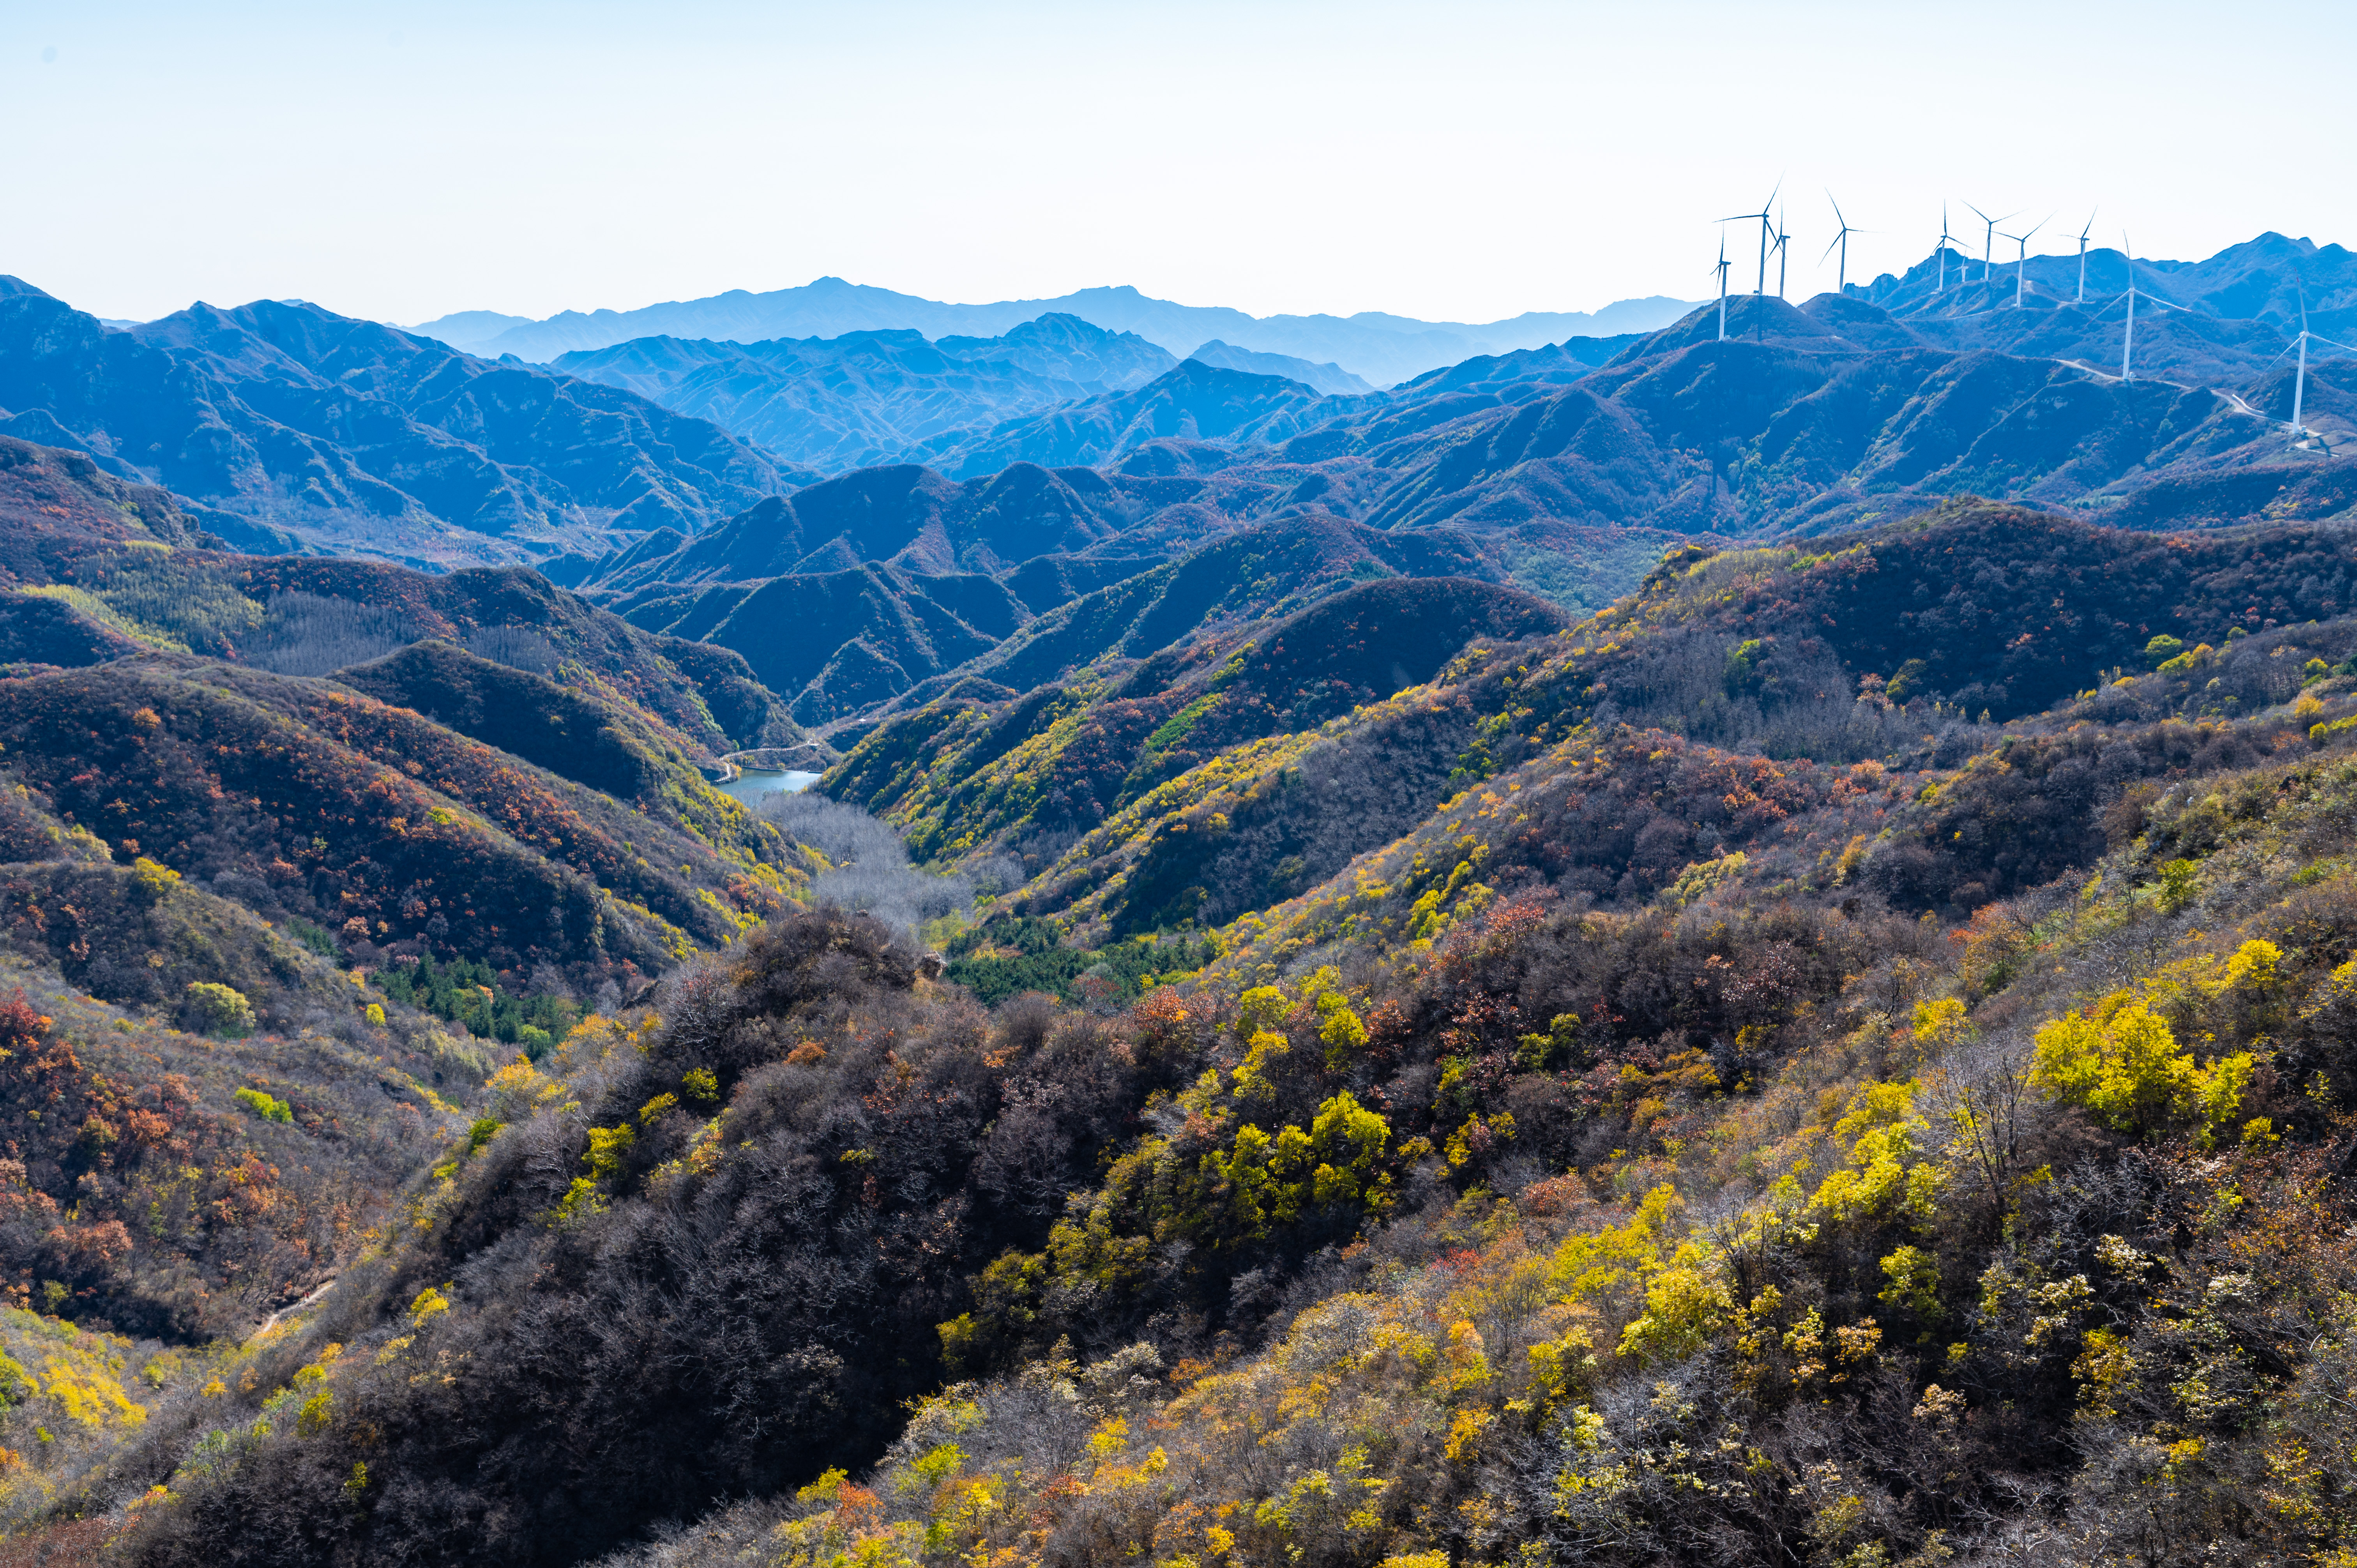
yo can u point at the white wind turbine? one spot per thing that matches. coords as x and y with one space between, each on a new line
2082 296
1723 264
1841 276
1946 239
1988 239
1784 252
2127 339
2021 263
1765 208
2299 381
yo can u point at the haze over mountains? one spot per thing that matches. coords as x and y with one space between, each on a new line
1071 451
1379 348
298 425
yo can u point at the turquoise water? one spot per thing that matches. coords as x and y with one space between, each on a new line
751 784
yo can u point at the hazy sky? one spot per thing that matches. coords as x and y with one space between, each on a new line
1462 161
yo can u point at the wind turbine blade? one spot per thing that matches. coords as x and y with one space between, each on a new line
1979 214
1829 249
2091 223
1837 211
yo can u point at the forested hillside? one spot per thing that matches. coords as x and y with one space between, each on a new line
1841 1057
268 939
1342 1001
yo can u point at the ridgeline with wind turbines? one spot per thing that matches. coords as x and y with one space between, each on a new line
2245 312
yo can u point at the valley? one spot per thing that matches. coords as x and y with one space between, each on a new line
834 946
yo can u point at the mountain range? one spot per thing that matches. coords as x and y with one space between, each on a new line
1535 470
293 427
2272 278
988 484
1728 948
1379 348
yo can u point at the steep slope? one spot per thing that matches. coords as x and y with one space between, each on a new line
982 767
847 646
48 494
372 823
1834 1201
908 515
1136 809
146 1190
363 440
835 643
866 398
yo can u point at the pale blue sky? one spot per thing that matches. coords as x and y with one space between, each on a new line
1465 161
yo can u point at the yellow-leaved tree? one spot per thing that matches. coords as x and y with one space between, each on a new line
2120 1061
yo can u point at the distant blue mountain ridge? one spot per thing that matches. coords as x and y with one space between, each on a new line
291 428
1377 347
865 398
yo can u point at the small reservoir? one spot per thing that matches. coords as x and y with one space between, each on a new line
751 783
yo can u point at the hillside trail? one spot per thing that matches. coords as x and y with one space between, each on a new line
312 1300
731 769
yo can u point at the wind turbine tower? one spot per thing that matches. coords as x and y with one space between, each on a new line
2021 263
2299 381
1841 278
1766 209
1723 264
1988 238
1783 253
2081 298
2127 339
1946 239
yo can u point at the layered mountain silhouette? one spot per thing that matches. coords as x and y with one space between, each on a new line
1562 469
1380 348
865 641
866 398
1803 417
1563 472
301 428
1330 379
